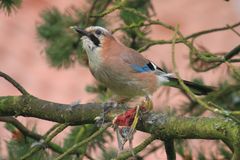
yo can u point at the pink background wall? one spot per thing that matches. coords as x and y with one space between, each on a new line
22 57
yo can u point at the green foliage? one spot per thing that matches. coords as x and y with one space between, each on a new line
62 47
225 153
10 127
108 154
99 88
10 5
17 149
201 156
103 94
79 133
135 37
183 149
20 145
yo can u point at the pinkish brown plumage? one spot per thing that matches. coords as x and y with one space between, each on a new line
124 70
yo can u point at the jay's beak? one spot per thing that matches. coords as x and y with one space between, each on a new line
80 31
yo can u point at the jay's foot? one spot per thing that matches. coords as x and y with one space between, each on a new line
147 104
100 120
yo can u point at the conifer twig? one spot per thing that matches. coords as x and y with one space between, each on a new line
108 11
14 83
87 140
26 132
192 95
197 34
143 145
46 140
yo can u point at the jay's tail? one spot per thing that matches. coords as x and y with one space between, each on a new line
195 88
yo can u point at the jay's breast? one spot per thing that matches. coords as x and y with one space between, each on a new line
126 85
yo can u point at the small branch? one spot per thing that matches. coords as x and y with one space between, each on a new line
51 130
192 95
152 43
53 146
33 135
193 35
223 112
234 60
14 83
88 156
197 34
152 150
93 7
232 53
21 127
215 60
134 11
108 11
234 70
236 32
90 11
131 26
170 150
47 140
85 141
235 147
139 148
58 130
183 39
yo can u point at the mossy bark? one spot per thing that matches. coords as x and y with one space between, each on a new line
162 125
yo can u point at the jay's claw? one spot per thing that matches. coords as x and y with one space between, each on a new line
147 103
100 120
134 123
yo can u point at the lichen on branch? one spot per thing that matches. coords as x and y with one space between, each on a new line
162 125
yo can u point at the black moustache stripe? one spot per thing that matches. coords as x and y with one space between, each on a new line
94 39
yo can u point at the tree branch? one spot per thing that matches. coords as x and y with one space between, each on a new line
170 150
14 83
28 133
197 34
162 125
48 138
232 53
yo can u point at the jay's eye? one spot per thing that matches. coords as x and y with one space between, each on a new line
98 32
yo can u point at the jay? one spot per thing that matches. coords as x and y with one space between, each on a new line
125 71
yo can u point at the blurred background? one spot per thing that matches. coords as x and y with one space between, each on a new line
22 56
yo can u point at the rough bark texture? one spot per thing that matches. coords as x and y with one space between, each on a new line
162 125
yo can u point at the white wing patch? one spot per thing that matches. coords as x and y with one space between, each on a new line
161 75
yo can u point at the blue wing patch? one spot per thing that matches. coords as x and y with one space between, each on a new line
140 69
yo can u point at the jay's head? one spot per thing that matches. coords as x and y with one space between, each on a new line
92 37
